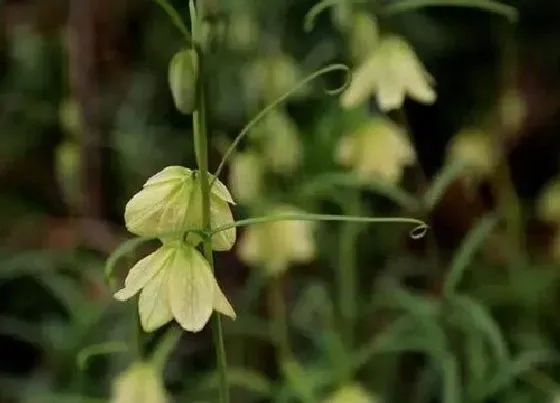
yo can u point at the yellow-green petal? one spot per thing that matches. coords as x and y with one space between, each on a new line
190 289
221 303
140 383
143 271
153 305
220 190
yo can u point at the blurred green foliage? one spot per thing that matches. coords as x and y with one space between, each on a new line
467 314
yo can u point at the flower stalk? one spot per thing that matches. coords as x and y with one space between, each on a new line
201 148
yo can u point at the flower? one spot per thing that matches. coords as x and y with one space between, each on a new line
351 394
363 35
140 383
246 176
378 149
548 203
274 245
171 203
280 140
473 147
390 72
175 282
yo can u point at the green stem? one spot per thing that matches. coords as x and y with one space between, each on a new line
201 139
279 326
346 271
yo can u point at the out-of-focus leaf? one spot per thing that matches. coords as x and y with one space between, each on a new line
512 370
491 6
241 378
477 316
465 254
437 188
89 352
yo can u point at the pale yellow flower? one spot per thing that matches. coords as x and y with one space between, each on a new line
280 142
171 203
391 72
351 394
275 245
272 76
548 203
245 178
473 147
140 383
377 150
175 282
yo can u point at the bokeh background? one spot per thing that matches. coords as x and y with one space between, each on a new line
86 116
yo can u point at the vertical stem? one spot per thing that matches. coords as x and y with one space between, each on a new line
346 271
201 145
279 326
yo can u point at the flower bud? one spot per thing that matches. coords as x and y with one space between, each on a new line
182 80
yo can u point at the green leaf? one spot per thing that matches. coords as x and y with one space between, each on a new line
443 179
480 318
511 371
490 6
89 352
470 245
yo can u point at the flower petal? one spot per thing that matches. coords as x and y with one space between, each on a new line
220 190
143 271
191 289
221 303
362 84
160 207
173 174
221 215
153 304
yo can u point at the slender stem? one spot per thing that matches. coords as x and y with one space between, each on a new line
279 326
346 270
201 139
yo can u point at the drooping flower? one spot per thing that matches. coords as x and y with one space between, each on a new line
548 203
377 150
391 72
140 383
171 203
351 394
279 137
246 170
175 282
275 245
473 147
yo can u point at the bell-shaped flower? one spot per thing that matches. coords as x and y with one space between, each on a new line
140 383
272 76
548 202
171 203
274 245
391 72
175 282
280 141
245 178
351 394
377 150
473 147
